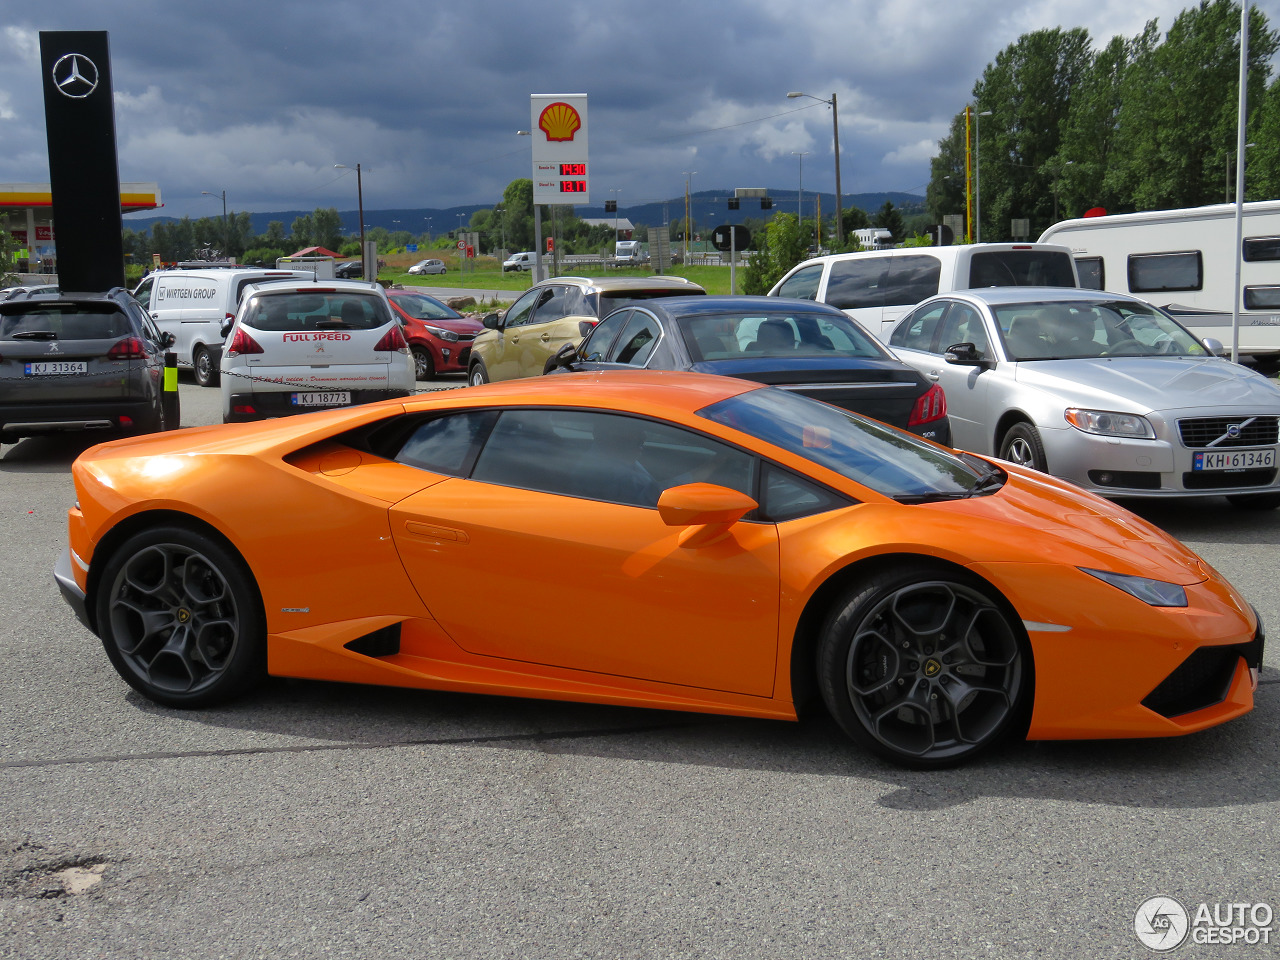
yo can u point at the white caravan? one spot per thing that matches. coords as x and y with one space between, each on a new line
1182 260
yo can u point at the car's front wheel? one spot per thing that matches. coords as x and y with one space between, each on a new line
477 375
424 367
924 667
205 369
1022 445
181 618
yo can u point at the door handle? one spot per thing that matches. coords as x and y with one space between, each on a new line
430 531
545 338
933 375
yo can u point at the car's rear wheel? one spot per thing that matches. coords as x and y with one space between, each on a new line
181 618
477 375
1255 501
424 367
205 370
925 668
1022 445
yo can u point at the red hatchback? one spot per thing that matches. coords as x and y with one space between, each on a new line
439 336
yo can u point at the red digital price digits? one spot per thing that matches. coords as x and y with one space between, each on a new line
573 186
573 169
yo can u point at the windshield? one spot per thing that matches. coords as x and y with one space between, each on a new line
891 463
1090 328
315 311
422 307
781 333
611 301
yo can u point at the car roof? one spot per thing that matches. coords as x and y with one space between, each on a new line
623 284
698 306
317 285
1001 296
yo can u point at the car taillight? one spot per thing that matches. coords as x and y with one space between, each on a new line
932 406
393 339
130 348
242 343
584 326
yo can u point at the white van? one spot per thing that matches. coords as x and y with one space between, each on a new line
520 261
877 287
1183 261
193 304
630 251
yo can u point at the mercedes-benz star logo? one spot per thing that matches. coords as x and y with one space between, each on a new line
75 76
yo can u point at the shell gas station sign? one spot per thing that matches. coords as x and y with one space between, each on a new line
559 129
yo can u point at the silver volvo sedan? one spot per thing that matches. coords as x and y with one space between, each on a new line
1101 389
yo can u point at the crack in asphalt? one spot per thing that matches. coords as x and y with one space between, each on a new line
325 747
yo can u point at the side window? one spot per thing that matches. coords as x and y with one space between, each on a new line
597 344
964 325
857 282
449 444
1160 272
803 284
916 331
788 497
552 305
1093 275
143 293
605 456
518 315
911 279
638 340
1262 298
1261 248
575 303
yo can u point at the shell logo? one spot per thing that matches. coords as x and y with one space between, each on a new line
559 121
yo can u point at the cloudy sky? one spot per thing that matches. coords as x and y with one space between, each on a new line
262 99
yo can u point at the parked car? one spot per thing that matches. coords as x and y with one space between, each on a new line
439 337
798 345
522 341
520 261
724 547
428 267
349 270
195 302
1104 390
82 361
12 293
308 345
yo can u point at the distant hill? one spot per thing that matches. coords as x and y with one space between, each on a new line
708 206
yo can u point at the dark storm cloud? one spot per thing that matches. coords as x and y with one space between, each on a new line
262 99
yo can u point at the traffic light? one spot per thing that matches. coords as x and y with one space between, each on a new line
611 206
766 203
733 203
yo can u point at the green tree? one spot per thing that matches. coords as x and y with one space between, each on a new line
274 237
517 206
326 227
890 219
302 231
8 250
1262 180
781 248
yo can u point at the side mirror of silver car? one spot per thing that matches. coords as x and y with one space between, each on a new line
1214 346
966 354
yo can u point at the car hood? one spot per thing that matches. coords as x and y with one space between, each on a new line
1151 383
456 324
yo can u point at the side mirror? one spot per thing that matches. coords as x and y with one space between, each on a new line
167 339
491 321
1214 346
566 356
965 354
226 328
707 510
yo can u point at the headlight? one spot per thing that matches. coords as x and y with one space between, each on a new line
441 332
1155 592
1108 424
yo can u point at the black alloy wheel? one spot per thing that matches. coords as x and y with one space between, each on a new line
924 668
181 618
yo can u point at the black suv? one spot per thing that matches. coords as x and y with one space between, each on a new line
82 361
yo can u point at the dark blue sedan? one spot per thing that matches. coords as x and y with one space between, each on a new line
798 345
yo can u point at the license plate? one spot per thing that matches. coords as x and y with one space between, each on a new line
1233 459
53 368
339 399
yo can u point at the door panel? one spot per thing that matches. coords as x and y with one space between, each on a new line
595 586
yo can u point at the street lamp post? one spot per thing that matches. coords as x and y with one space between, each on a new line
1230 156
835 129
800 192
428 219
688 229
616 193
226 226
977 175
364 253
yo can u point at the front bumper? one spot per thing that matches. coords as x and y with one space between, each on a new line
64 576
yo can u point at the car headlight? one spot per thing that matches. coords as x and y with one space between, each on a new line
1105 423
1155 592
441 332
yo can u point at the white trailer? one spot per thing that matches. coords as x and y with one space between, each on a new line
1185 261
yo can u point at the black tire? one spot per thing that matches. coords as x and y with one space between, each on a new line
477 375
424 367
924 667
1254 501
1021 445
181 618
206 372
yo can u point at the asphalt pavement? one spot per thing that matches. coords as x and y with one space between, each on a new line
318 820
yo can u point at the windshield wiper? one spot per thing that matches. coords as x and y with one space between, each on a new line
35 335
